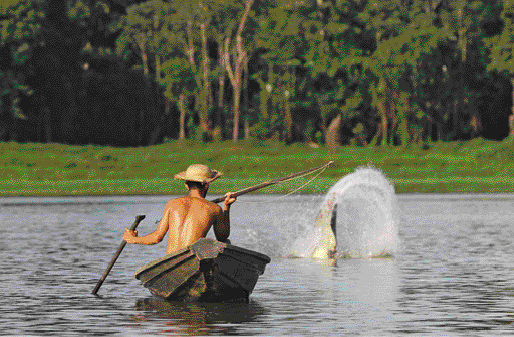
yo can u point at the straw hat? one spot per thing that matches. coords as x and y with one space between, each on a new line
199 173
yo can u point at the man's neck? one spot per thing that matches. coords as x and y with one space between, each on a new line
195 193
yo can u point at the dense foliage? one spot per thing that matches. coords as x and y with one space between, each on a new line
134 73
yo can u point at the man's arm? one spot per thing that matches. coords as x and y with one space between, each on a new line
222 225
152 238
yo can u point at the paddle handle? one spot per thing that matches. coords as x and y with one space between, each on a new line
139 218
271 182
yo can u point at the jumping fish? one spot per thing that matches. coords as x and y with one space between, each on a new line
325 226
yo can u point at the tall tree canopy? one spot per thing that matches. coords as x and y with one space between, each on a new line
381 72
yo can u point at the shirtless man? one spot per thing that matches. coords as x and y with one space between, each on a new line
189 218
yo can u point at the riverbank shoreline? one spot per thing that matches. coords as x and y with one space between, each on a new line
477 166
173 187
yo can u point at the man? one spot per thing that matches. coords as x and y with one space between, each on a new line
189 218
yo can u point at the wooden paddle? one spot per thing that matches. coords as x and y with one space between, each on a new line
139 218
271 182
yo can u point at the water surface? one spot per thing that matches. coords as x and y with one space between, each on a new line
452 274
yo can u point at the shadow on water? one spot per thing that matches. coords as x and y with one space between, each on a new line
193 319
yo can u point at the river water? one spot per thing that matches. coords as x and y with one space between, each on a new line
452 273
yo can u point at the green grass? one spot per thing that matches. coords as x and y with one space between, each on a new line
478 166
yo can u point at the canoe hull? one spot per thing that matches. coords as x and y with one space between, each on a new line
208 271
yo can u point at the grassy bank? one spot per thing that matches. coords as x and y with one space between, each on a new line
478 166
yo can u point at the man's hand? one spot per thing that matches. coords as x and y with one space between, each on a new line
129 236
229 200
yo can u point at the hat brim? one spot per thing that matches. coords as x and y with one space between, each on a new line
183 176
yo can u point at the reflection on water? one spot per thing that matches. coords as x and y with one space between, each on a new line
451 274
194 319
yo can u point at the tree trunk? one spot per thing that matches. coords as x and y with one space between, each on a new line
270 101
235 75
190 52
206 90
511 117
221 75
332 135
221 81
455 118
263 100
288 120
405 137
158 67
157 56
182 120
476 124
381 137
392 97
166 106
247 128
190 48
462 43
154 136
235 80
144 57
237 95
245 101
142 110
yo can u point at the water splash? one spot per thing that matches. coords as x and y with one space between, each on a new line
365 222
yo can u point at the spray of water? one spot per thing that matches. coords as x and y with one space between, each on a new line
364 224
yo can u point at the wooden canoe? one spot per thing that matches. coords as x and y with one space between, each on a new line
206 271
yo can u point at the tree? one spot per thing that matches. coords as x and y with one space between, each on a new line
385 19
502 51
335 59
191 19
461 20
179 82
43 61
146 28
396 64
235 62
20 23
279 35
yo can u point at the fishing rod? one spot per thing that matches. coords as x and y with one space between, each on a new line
272 182
268 183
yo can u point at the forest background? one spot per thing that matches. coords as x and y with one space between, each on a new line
398 79
132 73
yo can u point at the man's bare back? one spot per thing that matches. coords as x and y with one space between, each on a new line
187 219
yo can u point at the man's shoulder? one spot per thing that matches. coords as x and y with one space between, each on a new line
199 201
212 205
177 201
